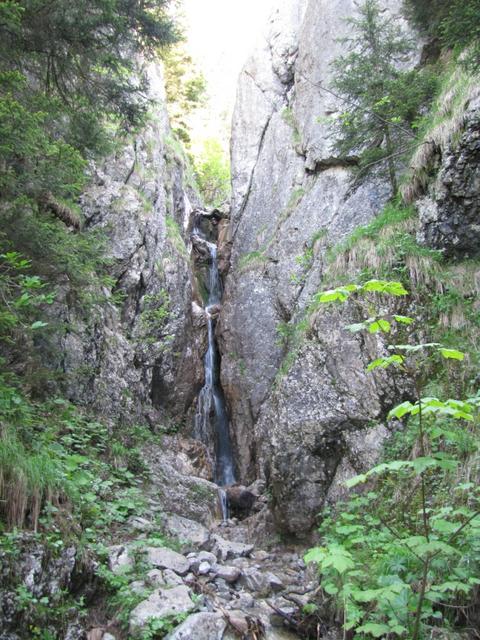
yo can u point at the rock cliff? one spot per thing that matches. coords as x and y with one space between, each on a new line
298 415
134 358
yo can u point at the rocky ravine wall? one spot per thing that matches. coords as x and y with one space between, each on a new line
120 358
304 431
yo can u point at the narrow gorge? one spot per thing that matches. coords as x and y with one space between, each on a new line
211 420
222 422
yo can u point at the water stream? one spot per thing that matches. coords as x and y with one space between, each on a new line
211 419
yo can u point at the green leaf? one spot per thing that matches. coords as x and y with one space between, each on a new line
374 629
452 354
384 286
367 595
379 325
82 478
340 560
335 295
422 463
398 629
316 554
452 585
330 588
352 482
400 410
447 464
403 319
349 528
38 325
385 362
414 347
74 461
395 465
444 526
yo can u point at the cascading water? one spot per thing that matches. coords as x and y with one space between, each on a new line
211 420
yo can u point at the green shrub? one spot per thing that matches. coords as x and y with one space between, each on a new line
399 558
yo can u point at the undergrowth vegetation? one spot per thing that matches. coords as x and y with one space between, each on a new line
62 470
402 557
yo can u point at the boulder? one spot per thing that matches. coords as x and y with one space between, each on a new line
162 602
240 499
162 558
256 581
226 549
189 533
119 560
204 568
229 574
200 626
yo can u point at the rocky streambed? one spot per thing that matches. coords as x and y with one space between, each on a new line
224 588
174 569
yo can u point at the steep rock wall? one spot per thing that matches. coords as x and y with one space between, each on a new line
133 357
450 212
302 429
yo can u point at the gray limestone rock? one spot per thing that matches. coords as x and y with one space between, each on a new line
200 626
155 577
258 582
226 549
115 361
178 492
162 558
229 574
162 602
189 533
293 404
450 213
171 578
119 559
137 586
204 568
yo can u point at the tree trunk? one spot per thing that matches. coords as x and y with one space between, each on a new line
59 210
391 164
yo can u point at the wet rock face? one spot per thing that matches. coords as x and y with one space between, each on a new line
450 214
292 198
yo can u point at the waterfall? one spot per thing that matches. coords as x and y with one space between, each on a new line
211 419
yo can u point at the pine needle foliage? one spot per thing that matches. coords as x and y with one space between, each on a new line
381 99
454 23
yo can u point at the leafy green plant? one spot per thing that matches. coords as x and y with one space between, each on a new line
22 296
397 573
455 22
159 627
305 259
156 310
252 258
185 88
289 118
